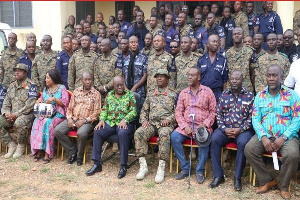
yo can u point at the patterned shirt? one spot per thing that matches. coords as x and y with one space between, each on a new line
202 104
235 111
116 109
84 105
276 116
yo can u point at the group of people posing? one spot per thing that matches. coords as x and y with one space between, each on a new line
142 79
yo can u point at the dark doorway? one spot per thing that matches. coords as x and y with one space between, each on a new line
84 8
127 6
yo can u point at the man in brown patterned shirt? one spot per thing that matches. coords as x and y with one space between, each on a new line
83 111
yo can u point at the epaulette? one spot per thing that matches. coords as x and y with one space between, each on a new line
168 54
197 54
283 54
77 51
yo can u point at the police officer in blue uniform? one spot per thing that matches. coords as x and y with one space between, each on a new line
62 60
200 32
213 67
215 28
170 32
29 56
268 22
124 25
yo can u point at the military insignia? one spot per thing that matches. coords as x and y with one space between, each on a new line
32 93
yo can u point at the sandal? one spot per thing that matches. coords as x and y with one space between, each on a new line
36 158
46 161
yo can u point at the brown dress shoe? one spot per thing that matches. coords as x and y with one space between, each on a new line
266 187
285 195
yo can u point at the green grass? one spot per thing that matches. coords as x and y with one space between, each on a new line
2 183
149 185
64 177
44 170
12 160
25 167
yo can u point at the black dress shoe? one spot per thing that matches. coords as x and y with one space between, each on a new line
95 168
237 184
79 162
217 181
73 158
122 172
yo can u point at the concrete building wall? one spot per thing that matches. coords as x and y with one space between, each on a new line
106 7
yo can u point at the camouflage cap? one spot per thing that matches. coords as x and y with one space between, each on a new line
162 72
21 66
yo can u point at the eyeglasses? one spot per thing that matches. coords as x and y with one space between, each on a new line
173 47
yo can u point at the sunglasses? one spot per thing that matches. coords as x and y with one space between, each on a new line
173 47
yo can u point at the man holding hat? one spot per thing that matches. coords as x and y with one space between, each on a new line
199 101
157 117
17 111
234 113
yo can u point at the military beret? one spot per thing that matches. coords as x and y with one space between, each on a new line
162 72
21 66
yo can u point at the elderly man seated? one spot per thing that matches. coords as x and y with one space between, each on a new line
82 112
276 122
17 111
116 117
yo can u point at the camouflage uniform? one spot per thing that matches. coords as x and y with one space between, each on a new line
240 59
8 61
155 31
163 61
205 24
158 106
94 28
149 52
183 65
116 51
19 100
41 64
186 30
296 21
69 30
104 70
79 63
241 20
253 64
262 65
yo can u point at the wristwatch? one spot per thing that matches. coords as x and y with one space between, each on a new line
284 137
85 121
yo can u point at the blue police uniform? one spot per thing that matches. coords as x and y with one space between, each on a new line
125 26
140 33
3 91
213 75
228 25
170 35
175 20
94 38
62 65
216 29
26 60
202 36
251 23
269 24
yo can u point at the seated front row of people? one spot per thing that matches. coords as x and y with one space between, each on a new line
275 120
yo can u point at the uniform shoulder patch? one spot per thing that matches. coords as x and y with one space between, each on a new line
283 54
32 93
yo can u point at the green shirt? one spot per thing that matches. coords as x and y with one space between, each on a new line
116 109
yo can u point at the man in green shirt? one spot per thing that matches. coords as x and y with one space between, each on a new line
116 117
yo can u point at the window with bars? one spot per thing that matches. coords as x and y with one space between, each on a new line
127 6
16 13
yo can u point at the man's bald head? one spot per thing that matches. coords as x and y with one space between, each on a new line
105 41
133 38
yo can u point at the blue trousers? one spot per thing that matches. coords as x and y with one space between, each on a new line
176 140
100 137
218 140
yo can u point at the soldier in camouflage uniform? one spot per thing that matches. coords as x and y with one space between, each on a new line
148 50
270 58
95 26
105 69
183 28
296 22
157 117
240 18
160 60
183 62
69 29
17 111
153 26
32 37
43 62
82 60
239 57
9 60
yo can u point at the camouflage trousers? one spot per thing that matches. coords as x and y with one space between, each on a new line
142 135
20 129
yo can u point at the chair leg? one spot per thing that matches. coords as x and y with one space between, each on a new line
177 166
251 173
254 179
62 153
205 167
171 159
152 150
84 154
57 149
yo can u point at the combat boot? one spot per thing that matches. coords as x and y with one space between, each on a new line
160 175
143 171
12 146
20 151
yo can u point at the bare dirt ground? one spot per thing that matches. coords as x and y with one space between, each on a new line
24 179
